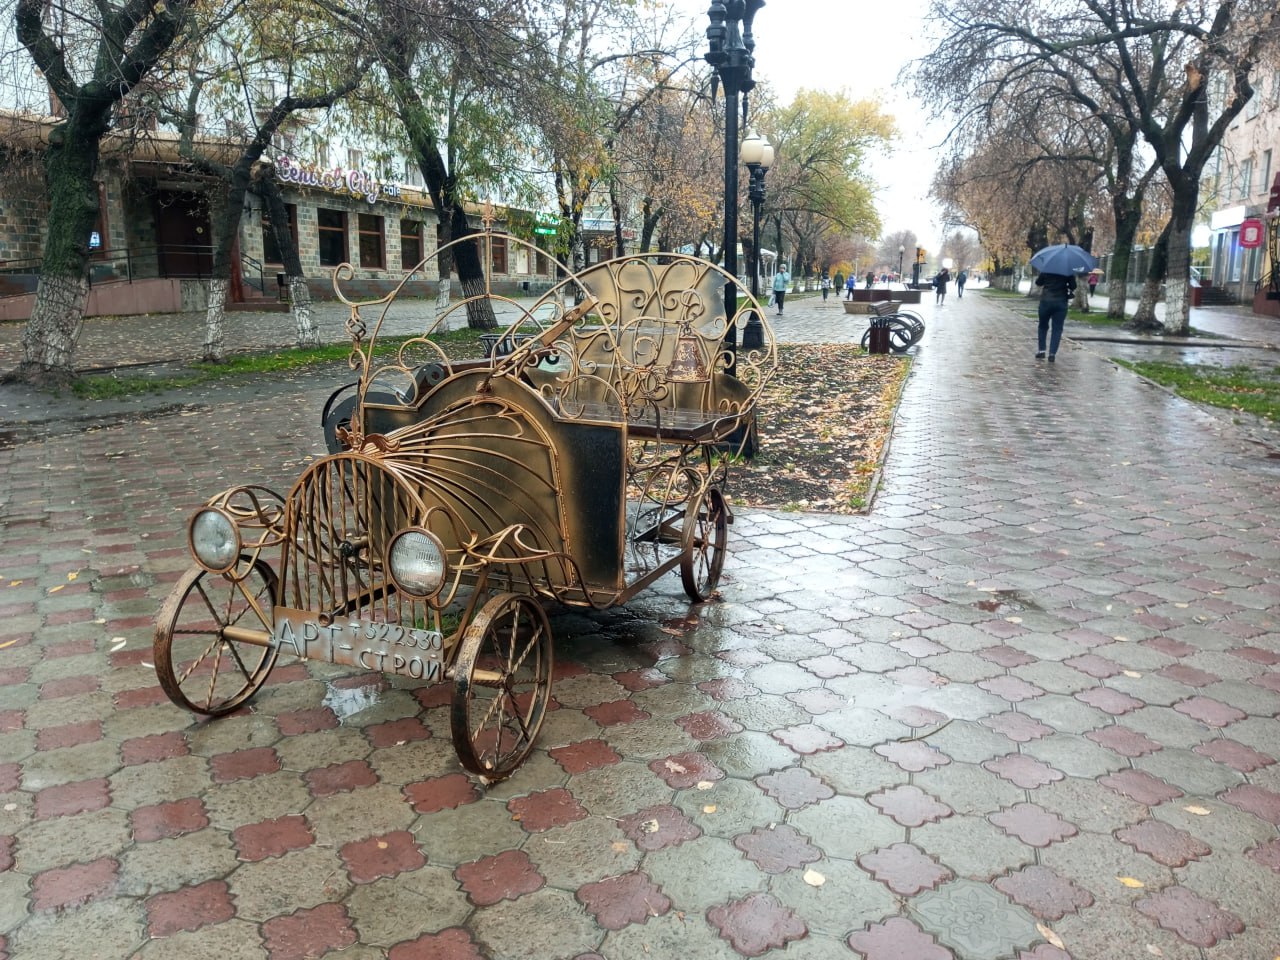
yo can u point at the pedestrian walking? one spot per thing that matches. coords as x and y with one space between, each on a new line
1055 294
839 284
825 284
1093 281
940 284
781 281
849 286
871 279
961 279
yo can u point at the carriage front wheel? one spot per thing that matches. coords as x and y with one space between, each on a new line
706 531
212 643
502 685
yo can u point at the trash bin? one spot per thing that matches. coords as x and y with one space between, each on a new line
879 336
282 291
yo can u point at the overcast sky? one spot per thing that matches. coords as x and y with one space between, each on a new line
834 44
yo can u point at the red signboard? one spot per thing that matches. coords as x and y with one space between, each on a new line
1251 233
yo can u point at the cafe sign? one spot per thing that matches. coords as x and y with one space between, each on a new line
357 183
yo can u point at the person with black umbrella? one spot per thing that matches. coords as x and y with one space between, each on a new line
1058 265
1054 298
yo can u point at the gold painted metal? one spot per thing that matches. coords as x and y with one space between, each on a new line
583 460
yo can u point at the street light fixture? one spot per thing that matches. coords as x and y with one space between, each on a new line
757 154
901 279
730 50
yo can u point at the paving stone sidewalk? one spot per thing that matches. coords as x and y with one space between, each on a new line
1026 709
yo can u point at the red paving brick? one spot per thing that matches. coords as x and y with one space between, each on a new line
74 886
794 788
442 793
896 939
190 908
306 934
656 828
756 924
777 849
904 869
585 755
545 809
383 856
272 838
164 820
618 902
1047 895
1193 918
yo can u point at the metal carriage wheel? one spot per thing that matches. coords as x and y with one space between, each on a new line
212 643
502 685
703 541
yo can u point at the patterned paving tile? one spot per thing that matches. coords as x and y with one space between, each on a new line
387 855
975 919
1043 892
896 939
904 869
340 778
1209 711
584 755
1140 786
913 755
545 809
1110 701
794 788
1025 772
454 943
309 933
1193 918
1261 802
1033 825
508 875
618 902
189 908
656 828
73 886
777 849
684 770
1267 854
807 739
708 725
1126 742
756 924
1163 843
442 793
163 821
1018 727
909 805
272 838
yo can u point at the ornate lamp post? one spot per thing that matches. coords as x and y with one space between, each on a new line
730 46
757 154
901 279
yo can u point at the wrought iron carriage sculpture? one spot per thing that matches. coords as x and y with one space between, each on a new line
577 464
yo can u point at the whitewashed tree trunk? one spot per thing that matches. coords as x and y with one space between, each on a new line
1144 318
442 298
300 298
215 314
1177 302
49 340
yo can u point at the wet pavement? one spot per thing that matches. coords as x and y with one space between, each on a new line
1026 709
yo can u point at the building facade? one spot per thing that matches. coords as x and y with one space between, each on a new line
151 249
1247 170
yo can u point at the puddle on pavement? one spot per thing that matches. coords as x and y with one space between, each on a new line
348 701
9 438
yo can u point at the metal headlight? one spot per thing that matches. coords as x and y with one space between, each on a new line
416 563
214 539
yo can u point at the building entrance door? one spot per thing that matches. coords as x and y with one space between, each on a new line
183 235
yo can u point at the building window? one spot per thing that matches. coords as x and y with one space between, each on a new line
270 246
332 226
1246 178
355 159
1264 173
499 253
371 241
410 244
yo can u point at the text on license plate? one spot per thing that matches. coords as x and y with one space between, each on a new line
387 647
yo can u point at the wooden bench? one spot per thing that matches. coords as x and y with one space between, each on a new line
878 308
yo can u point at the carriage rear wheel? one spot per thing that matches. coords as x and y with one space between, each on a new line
502 685
706 531
212 649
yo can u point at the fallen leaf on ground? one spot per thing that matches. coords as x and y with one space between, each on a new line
1053 938
1131 882
1198 811
813 878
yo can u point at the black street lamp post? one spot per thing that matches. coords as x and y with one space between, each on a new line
901 279
730 50
757 154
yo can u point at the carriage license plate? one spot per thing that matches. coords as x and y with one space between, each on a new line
387 647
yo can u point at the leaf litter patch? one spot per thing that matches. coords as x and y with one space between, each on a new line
823 423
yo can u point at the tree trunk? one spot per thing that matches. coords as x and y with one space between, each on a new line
1144 319
300 304
216 312
443 296
1128 215
1177 299
225 220
49 341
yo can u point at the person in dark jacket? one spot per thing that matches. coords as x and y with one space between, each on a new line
940 284
1054 296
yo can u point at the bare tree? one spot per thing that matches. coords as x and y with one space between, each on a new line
92 55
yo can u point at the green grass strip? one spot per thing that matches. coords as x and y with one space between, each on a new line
457 344
1241 388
